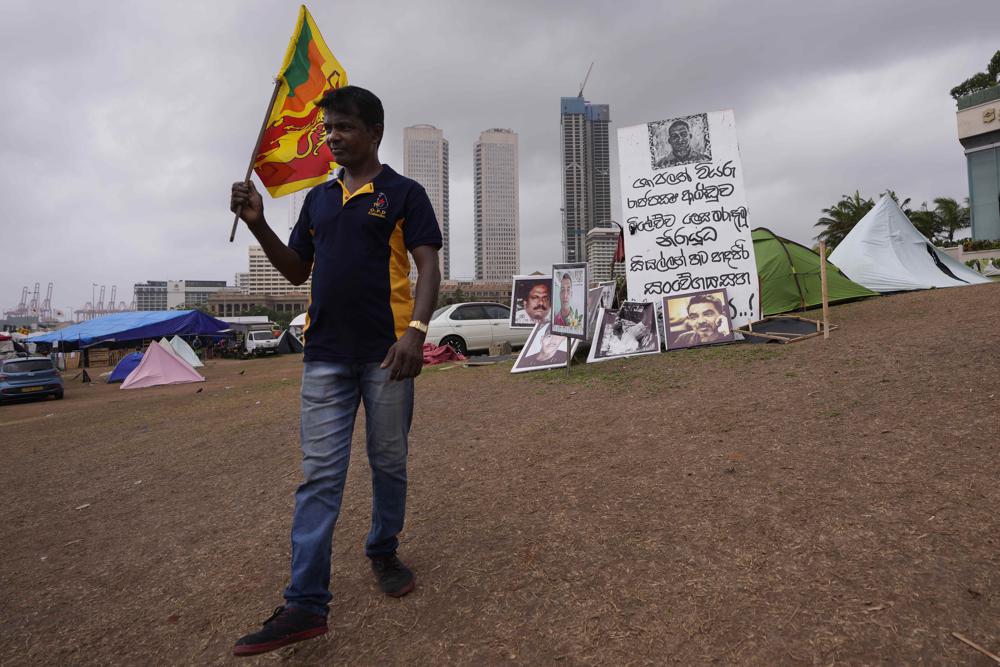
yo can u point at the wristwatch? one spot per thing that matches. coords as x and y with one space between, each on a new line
419 326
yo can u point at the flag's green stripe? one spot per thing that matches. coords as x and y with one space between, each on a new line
298 69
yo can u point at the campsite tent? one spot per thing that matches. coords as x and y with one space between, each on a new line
185 352
124 367
885 252
288 343
132 326
789 276
160 367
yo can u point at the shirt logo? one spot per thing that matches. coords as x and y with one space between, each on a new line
380 207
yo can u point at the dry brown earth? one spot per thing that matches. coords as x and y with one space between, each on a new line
817 503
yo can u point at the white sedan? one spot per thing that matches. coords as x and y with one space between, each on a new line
474 326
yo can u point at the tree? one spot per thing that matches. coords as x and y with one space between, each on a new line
951 215
980 80
839 219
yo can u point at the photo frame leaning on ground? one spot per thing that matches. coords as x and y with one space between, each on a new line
521 287
697 318
630 331
569 318
543 350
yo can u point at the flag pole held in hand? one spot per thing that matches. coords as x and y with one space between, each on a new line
253 155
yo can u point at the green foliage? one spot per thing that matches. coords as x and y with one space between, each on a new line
980 80
938 224
981 244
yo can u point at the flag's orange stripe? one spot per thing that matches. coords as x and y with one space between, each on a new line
307 92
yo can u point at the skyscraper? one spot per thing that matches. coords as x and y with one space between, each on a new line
425 160
586 172
498 253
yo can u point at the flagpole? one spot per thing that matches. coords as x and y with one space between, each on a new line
253 155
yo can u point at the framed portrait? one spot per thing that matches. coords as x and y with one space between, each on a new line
569 300
530 301
593 305
697 318
543 350
678 141
627 332
608 294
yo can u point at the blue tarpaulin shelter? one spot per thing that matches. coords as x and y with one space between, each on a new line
133 326
124 367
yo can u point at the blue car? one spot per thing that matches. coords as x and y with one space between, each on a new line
25 377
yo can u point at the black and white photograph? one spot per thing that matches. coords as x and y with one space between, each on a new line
530 301
543 350
698 318
679 141
629 331
594 296
608 294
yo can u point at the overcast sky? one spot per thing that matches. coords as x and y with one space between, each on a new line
126 122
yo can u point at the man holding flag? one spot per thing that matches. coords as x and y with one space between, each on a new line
364 342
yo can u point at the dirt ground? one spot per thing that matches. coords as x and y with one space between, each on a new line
817 503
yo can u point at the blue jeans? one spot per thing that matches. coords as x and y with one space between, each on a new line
331 393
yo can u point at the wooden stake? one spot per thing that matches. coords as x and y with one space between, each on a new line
822 280
988 654
569 344
253 155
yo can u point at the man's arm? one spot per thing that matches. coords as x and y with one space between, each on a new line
250 204
406 357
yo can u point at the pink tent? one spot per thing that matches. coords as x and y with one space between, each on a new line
160 367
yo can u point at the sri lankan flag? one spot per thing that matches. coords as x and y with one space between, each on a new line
292 154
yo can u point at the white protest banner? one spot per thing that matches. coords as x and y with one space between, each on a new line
685 209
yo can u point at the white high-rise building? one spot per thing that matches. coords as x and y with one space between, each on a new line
263 278
497 235
425 160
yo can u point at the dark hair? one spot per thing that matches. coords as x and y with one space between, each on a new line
679 123
354 101
710 300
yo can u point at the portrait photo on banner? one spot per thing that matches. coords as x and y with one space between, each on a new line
629 331
530 300
543 349
608 294
569 302
697 318
679 141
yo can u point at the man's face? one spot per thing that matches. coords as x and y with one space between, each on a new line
349 139
538 303
565 292
550 345
703 319
679 138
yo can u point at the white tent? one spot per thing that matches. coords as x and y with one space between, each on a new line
185 352
885 252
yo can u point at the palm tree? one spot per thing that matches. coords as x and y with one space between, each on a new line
839 219
951 215
926 221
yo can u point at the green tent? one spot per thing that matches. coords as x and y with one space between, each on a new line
789 276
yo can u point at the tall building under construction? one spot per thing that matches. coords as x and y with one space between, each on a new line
586 172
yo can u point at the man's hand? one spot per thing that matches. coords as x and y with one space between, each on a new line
406 357
248 202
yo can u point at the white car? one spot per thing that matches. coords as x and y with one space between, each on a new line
474 326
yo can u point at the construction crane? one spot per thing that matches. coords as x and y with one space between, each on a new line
100 299
111 301
33 306
23 305
46 311
584 84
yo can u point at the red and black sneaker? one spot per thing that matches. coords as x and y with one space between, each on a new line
287 625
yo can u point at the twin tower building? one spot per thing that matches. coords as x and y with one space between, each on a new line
586 196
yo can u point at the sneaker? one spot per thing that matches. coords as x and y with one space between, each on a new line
394 578
286 626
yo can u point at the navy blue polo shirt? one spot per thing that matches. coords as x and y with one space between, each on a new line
361 302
